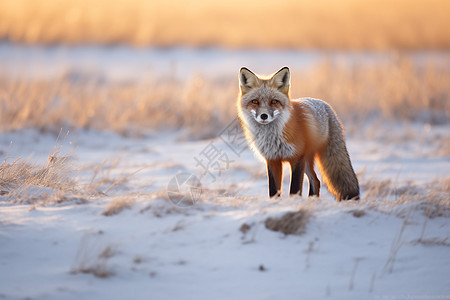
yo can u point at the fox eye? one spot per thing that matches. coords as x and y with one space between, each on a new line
274 102
255 101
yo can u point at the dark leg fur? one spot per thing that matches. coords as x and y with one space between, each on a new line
314 183
272 186
297 173
274 174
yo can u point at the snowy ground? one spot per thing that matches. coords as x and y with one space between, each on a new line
156 250
79 244
122 62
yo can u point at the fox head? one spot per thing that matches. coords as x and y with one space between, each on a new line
264 100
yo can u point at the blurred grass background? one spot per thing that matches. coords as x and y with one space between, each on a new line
400 90
318 24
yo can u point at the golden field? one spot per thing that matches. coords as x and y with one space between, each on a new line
324 24
399 91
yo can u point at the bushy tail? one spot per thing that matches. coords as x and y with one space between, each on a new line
336 168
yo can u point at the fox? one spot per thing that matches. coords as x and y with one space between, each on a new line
299 132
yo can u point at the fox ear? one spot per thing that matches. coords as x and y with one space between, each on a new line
248 80
281 80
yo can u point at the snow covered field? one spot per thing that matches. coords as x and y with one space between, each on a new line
220 247
109 230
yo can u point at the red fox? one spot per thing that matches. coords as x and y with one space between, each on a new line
297 132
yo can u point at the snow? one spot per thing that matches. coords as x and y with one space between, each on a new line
159 251
124 62
156 250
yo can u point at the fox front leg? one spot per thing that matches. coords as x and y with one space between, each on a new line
297 173
275 175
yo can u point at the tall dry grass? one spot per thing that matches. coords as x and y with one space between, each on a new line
58 180
22 180
326 24
396 91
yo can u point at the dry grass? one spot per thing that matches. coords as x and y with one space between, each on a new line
397 243
115 106
103 182
358 213
397 91
92 256
117 205
343 24
290 223
160 205
23 181
433 242
399 198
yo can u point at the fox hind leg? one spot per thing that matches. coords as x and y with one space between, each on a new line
275 176
314 183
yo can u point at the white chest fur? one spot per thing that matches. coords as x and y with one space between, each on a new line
268 140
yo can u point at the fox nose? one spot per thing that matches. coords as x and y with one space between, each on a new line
264 116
